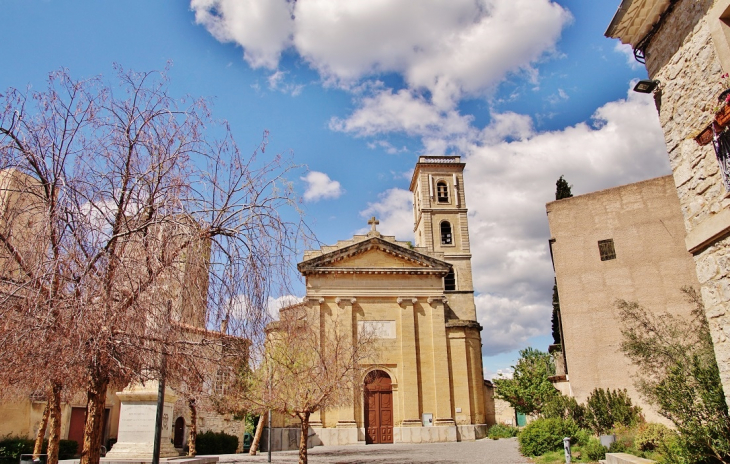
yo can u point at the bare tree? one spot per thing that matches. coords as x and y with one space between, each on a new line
152 222
308 365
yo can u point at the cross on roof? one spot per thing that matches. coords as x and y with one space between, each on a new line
373 222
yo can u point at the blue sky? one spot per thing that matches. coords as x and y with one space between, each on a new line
524 90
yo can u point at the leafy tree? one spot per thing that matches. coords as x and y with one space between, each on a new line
608 408
529 389
679 374
562 189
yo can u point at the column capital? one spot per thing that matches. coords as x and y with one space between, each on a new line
407 301
312 300
432 300
342 302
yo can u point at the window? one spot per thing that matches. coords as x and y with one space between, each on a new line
446 233
450 280
605 247
222 381
442 192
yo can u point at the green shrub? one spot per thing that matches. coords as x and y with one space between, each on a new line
608 408
544 435
498 431
618 447
216 443
581 437
566 407
12 447
679 376
650 436
594 450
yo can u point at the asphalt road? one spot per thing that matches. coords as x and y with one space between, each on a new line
484 451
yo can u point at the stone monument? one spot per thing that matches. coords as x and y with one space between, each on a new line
137 423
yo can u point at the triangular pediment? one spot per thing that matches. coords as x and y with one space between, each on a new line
374 255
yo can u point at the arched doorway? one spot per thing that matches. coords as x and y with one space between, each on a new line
179 432
378 408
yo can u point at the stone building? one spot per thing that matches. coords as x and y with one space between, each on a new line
685 45
498 411
621 243
420 300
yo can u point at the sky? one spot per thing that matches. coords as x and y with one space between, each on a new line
523 90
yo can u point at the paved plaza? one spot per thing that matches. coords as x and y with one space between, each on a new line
484 451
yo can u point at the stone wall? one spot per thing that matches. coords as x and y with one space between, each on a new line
650 267
683 56
208 419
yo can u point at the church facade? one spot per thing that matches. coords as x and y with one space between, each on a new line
427 383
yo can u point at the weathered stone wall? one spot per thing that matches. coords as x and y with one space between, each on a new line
650 268
209 420
684 58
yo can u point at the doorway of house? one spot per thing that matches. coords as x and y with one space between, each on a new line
378 408
77 424
179 432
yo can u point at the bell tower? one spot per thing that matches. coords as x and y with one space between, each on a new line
440 224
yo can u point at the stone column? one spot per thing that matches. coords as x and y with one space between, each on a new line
441 380
345 322
315 304
460 365
409 361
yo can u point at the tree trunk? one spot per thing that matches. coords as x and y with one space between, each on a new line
257 436
304 418
94 427
38 448
193 432
54 415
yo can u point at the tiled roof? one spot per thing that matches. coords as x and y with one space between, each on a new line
634 19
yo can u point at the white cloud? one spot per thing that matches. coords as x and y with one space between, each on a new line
506 373
388 147
238 311
275 304
628 51
510 174
403 111
451 49
507 185
556 98
394 210
277 82
320 186
262 27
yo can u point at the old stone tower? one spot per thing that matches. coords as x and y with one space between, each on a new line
439 207
427 384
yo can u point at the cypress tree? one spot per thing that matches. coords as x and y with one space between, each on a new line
556 316
562 189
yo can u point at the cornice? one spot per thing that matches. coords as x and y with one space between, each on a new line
321 264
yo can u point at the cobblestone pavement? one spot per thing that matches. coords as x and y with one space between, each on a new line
481 451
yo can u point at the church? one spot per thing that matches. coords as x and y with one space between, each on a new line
428 384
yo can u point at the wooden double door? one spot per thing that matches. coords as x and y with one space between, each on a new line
78 423
378 408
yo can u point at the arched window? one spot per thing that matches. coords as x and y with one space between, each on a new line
446 238
442 192
450 280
